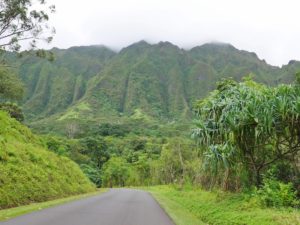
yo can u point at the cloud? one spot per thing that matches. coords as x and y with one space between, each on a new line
269 28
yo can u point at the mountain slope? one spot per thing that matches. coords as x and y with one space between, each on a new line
229 61
53 86
144 77
159 81
27 168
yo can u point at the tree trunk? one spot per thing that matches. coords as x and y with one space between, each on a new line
182 167
258 177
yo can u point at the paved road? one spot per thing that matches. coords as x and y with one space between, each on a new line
116 207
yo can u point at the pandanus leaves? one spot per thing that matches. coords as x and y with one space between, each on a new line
250 119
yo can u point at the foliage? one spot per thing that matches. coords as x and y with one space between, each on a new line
27 168
177 163
13 110
21 20
155 82
93 173
97 149
116 172
11 86
249 125
108 129
189 206
274 193
51 87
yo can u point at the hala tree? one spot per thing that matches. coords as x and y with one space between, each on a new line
249 124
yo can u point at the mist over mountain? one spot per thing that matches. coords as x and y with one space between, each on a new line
159 81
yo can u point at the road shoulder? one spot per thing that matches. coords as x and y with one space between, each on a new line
7 214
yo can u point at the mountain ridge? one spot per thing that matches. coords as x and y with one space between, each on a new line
161 81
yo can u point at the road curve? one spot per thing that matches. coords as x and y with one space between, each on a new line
115 207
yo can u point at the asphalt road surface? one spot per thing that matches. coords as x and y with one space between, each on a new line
116 207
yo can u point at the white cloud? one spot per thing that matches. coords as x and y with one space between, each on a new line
269 28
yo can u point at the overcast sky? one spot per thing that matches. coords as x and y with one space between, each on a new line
271 28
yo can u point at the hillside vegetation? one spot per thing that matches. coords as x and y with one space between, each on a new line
127 118
29 172
159 81
191 206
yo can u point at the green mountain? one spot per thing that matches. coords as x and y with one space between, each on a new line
54 86
27 168
151 81
229 61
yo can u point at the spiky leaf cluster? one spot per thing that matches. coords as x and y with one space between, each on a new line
250 123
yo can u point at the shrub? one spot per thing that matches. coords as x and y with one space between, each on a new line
92 172
13 110
277 194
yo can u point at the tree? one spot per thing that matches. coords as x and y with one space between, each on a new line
97 148
10 85
20 20
93 173
172 166
142 168
250 125
116 171
72 129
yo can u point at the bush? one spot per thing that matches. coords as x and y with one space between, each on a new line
116 172
93 173
277 194
13 110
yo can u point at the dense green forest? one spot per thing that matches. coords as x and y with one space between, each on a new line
246 135
217 127
146 116
85 85
237 135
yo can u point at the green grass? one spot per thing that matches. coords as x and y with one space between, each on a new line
193 206
18 211
27 168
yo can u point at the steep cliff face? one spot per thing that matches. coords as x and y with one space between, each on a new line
52 87
161 80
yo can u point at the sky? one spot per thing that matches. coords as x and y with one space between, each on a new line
270 28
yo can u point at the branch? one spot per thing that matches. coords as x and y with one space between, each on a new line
16 32
20 39
295 149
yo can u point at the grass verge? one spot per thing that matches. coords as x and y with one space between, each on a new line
192 206
7 214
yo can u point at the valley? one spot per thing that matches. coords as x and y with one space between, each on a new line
154 114
159 82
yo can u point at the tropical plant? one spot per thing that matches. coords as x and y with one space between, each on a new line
277 194
116 172
250 125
